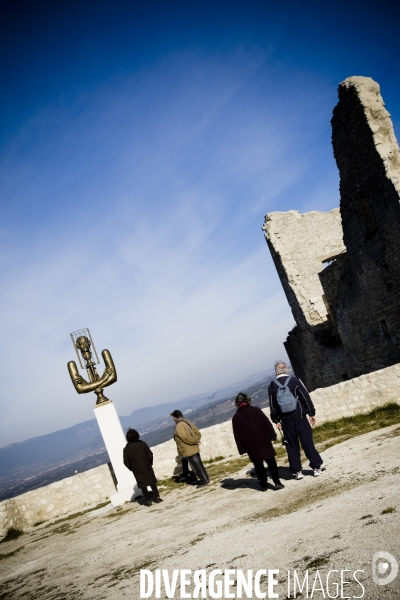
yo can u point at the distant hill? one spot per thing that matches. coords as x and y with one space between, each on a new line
44 459
215 412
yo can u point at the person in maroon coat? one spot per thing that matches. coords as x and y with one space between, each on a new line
253 433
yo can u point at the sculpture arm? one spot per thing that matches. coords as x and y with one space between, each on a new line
82 386
110 373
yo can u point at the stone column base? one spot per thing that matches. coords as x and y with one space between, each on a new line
127 495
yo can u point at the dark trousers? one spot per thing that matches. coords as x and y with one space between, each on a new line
146 494
260 471
198 468
300 429
185 467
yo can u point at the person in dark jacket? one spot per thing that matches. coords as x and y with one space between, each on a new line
253 433
295 424
138 458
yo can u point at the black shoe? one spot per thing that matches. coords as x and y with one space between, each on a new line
279 486
193 482
158 500
264 487
202 484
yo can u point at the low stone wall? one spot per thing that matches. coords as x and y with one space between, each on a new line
83 490
358 395
72 494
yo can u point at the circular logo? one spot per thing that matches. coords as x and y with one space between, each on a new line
384 568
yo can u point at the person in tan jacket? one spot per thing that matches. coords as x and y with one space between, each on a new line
187 438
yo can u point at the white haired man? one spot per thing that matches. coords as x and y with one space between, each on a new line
292 411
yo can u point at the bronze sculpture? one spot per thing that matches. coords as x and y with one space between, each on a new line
96 384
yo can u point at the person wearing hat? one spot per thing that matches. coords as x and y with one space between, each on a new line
187 438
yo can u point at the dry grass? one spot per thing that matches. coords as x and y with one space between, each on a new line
349 427
216 470
221 470
213 460
75 515
388 510
325 436
8 554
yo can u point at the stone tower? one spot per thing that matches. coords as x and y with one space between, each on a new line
341 270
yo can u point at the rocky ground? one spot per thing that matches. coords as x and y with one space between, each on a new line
335 522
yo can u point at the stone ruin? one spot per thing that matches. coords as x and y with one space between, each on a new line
341 270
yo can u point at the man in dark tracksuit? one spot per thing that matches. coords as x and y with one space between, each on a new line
295 424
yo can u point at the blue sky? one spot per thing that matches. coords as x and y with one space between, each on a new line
142 143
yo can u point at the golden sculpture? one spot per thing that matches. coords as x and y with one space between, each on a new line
96 383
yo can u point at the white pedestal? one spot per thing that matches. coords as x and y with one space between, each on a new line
115 442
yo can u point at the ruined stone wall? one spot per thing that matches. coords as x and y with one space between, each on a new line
347 314
86 490
365 305
344 363
316 364
299 245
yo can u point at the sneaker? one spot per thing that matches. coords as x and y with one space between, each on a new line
299 475
279 486
318 472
